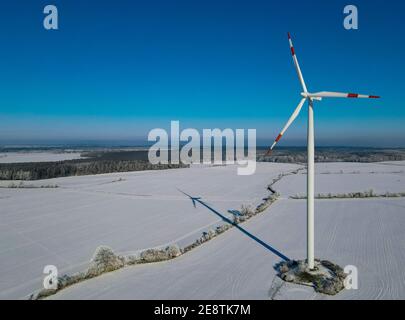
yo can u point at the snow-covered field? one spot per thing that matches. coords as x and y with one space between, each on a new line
348 177
38 156
126 211
365 233
130 211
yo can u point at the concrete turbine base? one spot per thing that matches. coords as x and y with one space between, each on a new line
326 277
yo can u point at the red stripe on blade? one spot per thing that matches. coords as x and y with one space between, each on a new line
352 95
279 137
289 36
374 97
292 51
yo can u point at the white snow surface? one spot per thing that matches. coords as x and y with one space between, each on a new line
132 211
126 211
365 233
344 178
37 156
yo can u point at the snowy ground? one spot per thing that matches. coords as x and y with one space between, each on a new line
130 211
126 211
348 177
39 156
365 233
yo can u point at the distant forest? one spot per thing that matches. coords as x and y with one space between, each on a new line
328 154
113 160
48 170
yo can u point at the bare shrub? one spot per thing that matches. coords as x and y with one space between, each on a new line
104 260
153 255
131 260
173 251
246 211
156 255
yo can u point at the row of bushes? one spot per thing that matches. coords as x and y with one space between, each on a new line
354 195
270 187
22 185
105 260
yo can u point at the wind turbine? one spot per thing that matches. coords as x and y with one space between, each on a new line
310 97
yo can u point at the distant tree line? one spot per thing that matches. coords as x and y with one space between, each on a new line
48 170
334 155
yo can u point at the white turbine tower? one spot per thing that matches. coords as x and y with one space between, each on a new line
310 97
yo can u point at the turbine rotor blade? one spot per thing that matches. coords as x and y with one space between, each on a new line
289 122
327 94
297 65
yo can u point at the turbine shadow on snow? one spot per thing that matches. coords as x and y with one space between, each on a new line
247 233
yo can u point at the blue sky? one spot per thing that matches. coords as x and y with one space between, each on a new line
116 69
